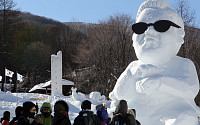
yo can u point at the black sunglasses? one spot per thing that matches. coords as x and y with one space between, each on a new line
160 26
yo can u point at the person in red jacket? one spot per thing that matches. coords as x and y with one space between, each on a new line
6 118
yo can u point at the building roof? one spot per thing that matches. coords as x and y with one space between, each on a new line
36 87
43 86
64 82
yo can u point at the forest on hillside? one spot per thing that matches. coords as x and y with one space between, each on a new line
94 55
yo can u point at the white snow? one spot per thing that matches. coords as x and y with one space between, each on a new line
160 85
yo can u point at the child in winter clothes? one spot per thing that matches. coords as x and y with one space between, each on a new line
6 118
45 117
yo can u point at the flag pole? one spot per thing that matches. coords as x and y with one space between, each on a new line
5 80
4 90
16 88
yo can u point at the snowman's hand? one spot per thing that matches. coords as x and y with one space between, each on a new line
145 70
148 85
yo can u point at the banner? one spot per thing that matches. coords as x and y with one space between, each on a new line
9 73
19 77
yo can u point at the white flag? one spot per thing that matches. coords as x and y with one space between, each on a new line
9 73
19 77
0 78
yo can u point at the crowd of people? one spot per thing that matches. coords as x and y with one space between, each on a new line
27 115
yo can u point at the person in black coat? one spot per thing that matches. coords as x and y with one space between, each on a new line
121 115
61 116
133 112
28 114
18 113
86 112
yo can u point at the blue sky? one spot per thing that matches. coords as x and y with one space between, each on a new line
90 11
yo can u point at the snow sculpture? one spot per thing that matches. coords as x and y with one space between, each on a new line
56 74
96 96
78 96
160 85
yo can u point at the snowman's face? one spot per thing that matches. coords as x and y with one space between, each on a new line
154 47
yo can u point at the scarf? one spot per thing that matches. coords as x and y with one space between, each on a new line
58 116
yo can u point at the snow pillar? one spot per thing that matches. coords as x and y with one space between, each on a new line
56 74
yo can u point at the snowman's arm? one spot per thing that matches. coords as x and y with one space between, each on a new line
186 87
182 88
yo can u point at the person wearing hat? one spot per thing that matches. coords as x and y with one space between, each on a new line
86 116
28 114
61 116
45 117
6 118
18 113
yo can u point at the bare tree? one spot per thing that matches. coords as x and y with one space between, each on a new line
107 52
184 10
188 15
7 17
8 20
191 33
190 48
66 39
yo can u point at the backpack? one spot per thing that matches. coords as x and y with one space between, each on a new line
121 120
87 118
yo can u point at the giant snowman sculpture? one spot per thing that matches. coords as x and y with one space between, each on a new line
159 85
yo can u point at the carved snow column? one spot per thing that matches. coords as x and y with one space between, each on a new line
56 74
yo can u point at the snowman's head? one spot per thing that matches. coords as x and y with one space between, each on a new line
158 32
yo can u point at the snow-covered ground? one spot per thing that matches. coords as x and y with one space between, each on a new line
9 101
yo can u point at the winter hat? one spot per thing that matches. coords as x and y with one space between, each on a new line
18 111
86 105
60 106
27 107
46 104
6 115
